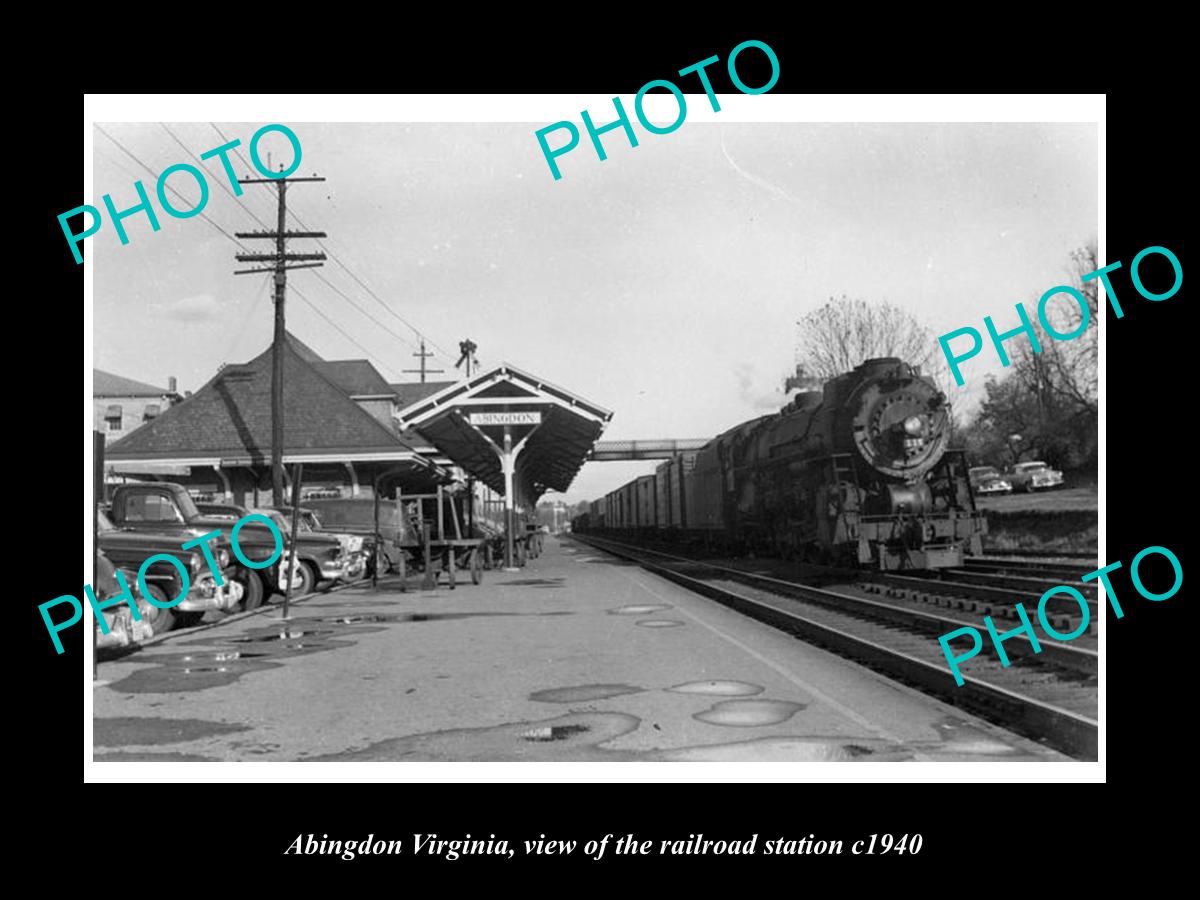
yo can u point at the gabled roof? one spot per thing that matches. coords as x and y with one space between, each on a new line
230 417
552 452
106 384
408 393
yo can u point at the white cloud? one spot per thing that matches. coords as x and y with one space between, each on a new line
200 308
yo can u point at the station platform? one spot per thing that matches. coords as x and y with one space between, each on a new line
578 657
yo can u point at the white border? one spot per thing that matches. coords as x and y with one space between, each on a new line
543 110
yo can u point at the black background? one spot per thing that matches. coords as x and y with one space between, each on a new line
972 833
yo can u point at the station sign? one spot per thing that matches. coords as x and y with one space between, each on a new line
505 418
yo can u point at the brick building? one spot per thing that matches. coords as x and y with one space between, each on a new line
121 405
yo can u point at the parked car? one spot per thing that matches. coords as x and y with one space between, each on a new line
1030 476
230 511
356 548
357 516
128 548
321 556
988 480
123 628
164 508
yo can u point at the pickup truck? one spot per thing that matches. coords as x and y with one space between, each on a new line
127 549
164 508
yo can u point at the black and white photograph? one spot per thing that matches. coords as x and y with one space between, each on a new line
764 441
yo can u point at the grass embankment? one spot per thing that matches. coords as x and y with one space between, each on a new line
1060 521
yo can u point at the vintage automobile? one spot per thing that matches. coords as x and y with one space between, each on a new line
228 511
356 548
127 548
123 628
1034 475
356 516
164 508
322 557
987 480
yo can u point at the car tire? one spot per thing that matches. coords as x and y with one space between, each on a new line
252 591
304 583
308 580
160 620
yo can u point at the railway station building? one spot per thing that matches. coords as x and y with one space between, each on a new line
503 433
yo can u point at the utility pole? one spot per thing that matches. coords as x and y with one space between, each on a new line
424 356
277 262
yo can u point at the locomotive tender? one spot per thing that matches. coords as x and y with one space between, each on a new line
858 473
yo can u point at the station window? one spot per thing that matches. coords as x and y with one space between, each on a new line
112 417
150 412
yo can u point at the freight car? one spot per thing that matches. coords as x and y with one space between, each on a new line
858 473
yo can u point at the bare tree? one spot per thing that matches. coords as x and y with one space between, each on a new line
1051 397
844 333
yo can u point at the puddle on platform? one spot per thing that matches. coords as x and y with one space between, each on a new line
749 713
130 756
175 672
959 736
579 735
659 623
583 693
638 610
121 731
786 749
718 688
534 582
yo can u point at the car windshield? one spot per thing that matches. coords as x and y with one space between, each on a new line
309 519
277 517
1032 466
981 471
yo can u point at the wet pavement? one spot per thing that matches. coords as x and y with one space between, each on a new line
578 657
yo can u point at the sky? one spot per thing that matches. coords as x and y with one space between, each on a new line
663 284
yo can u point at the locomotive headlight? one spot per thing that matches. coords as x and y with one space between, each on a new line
914 426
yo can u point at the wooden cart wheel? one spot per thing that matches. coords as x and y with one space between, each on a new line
488 562
476 566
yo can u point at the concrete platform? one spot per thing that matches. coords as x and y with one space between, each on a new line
578 657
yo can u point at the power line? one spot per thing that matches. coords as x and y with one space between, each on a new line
223 185
349 300
202 214
445 354
234 240
416 331
318 311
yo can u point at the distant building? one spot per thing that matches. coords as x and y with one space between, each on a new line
122 405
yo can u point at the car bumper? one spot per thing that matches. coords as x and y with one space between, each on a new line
1048 483
205 595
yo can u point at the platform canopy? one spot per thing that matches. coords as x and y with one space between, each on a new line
507 417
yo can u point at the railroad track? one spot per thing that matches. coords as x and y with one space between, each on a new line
1050 697
1063 572
998 595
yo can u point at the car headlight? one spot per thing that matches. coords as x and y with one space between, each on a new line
194 562
222 558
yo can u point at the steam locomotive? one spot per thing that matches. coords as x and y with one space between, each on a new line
855 474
